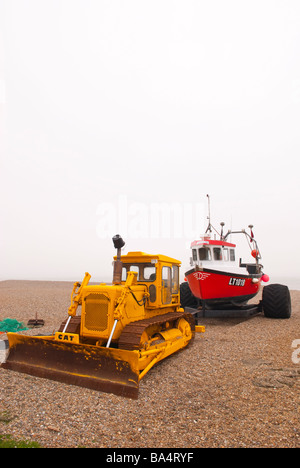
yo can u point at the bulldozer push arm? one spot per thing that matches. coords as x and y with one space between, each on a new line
76 298
76 294
119 310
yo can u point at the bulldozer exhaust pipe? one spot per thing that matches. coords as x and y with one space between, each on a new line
118 244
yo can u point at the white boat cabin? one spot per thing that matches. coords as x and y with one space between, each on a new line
218 255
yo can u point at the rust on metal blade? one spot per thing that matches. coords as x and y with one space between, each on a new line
105 369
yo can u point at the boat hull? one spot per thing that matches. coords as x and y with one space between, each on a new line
219 287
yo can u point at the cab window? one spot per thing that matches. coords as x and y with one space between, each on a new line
217 253
149 273
146 271
204 254
175 279
166 290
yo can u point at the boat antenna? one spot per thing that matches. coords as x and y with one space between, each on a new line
208 217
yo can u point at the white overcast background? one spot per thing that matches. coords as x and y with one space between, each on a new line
109 106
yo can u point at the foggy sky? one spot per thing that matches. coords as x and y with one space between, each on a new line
119 106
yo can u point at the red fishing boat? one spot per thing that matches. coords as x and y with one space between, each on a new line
217 277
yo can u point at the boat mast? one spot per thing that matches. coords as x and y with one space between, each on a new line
208 229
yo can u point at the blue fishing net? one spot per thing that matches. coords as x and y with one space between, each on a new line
11 325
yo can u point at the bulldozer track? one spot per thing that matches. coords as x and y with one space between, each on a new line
74 325
131 335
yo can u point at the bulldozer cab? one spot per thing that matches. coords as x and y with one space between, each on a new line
159 273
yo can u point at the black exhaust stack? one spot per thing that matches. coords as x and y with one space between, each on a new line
118 244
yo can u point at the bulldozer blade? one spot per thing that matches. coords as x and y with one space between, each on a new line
105 369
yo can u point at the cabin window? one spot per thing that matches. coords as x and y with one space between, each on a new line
225 255
204 254
194 255
134 268
149 273
175 279
145 271
128 268
232 255
217 253
166 290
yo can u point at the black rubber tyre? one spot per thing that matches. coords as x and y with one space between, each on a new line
276 301
187 299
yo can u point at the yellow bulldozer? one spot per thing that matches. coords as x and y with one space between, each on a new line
123 330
